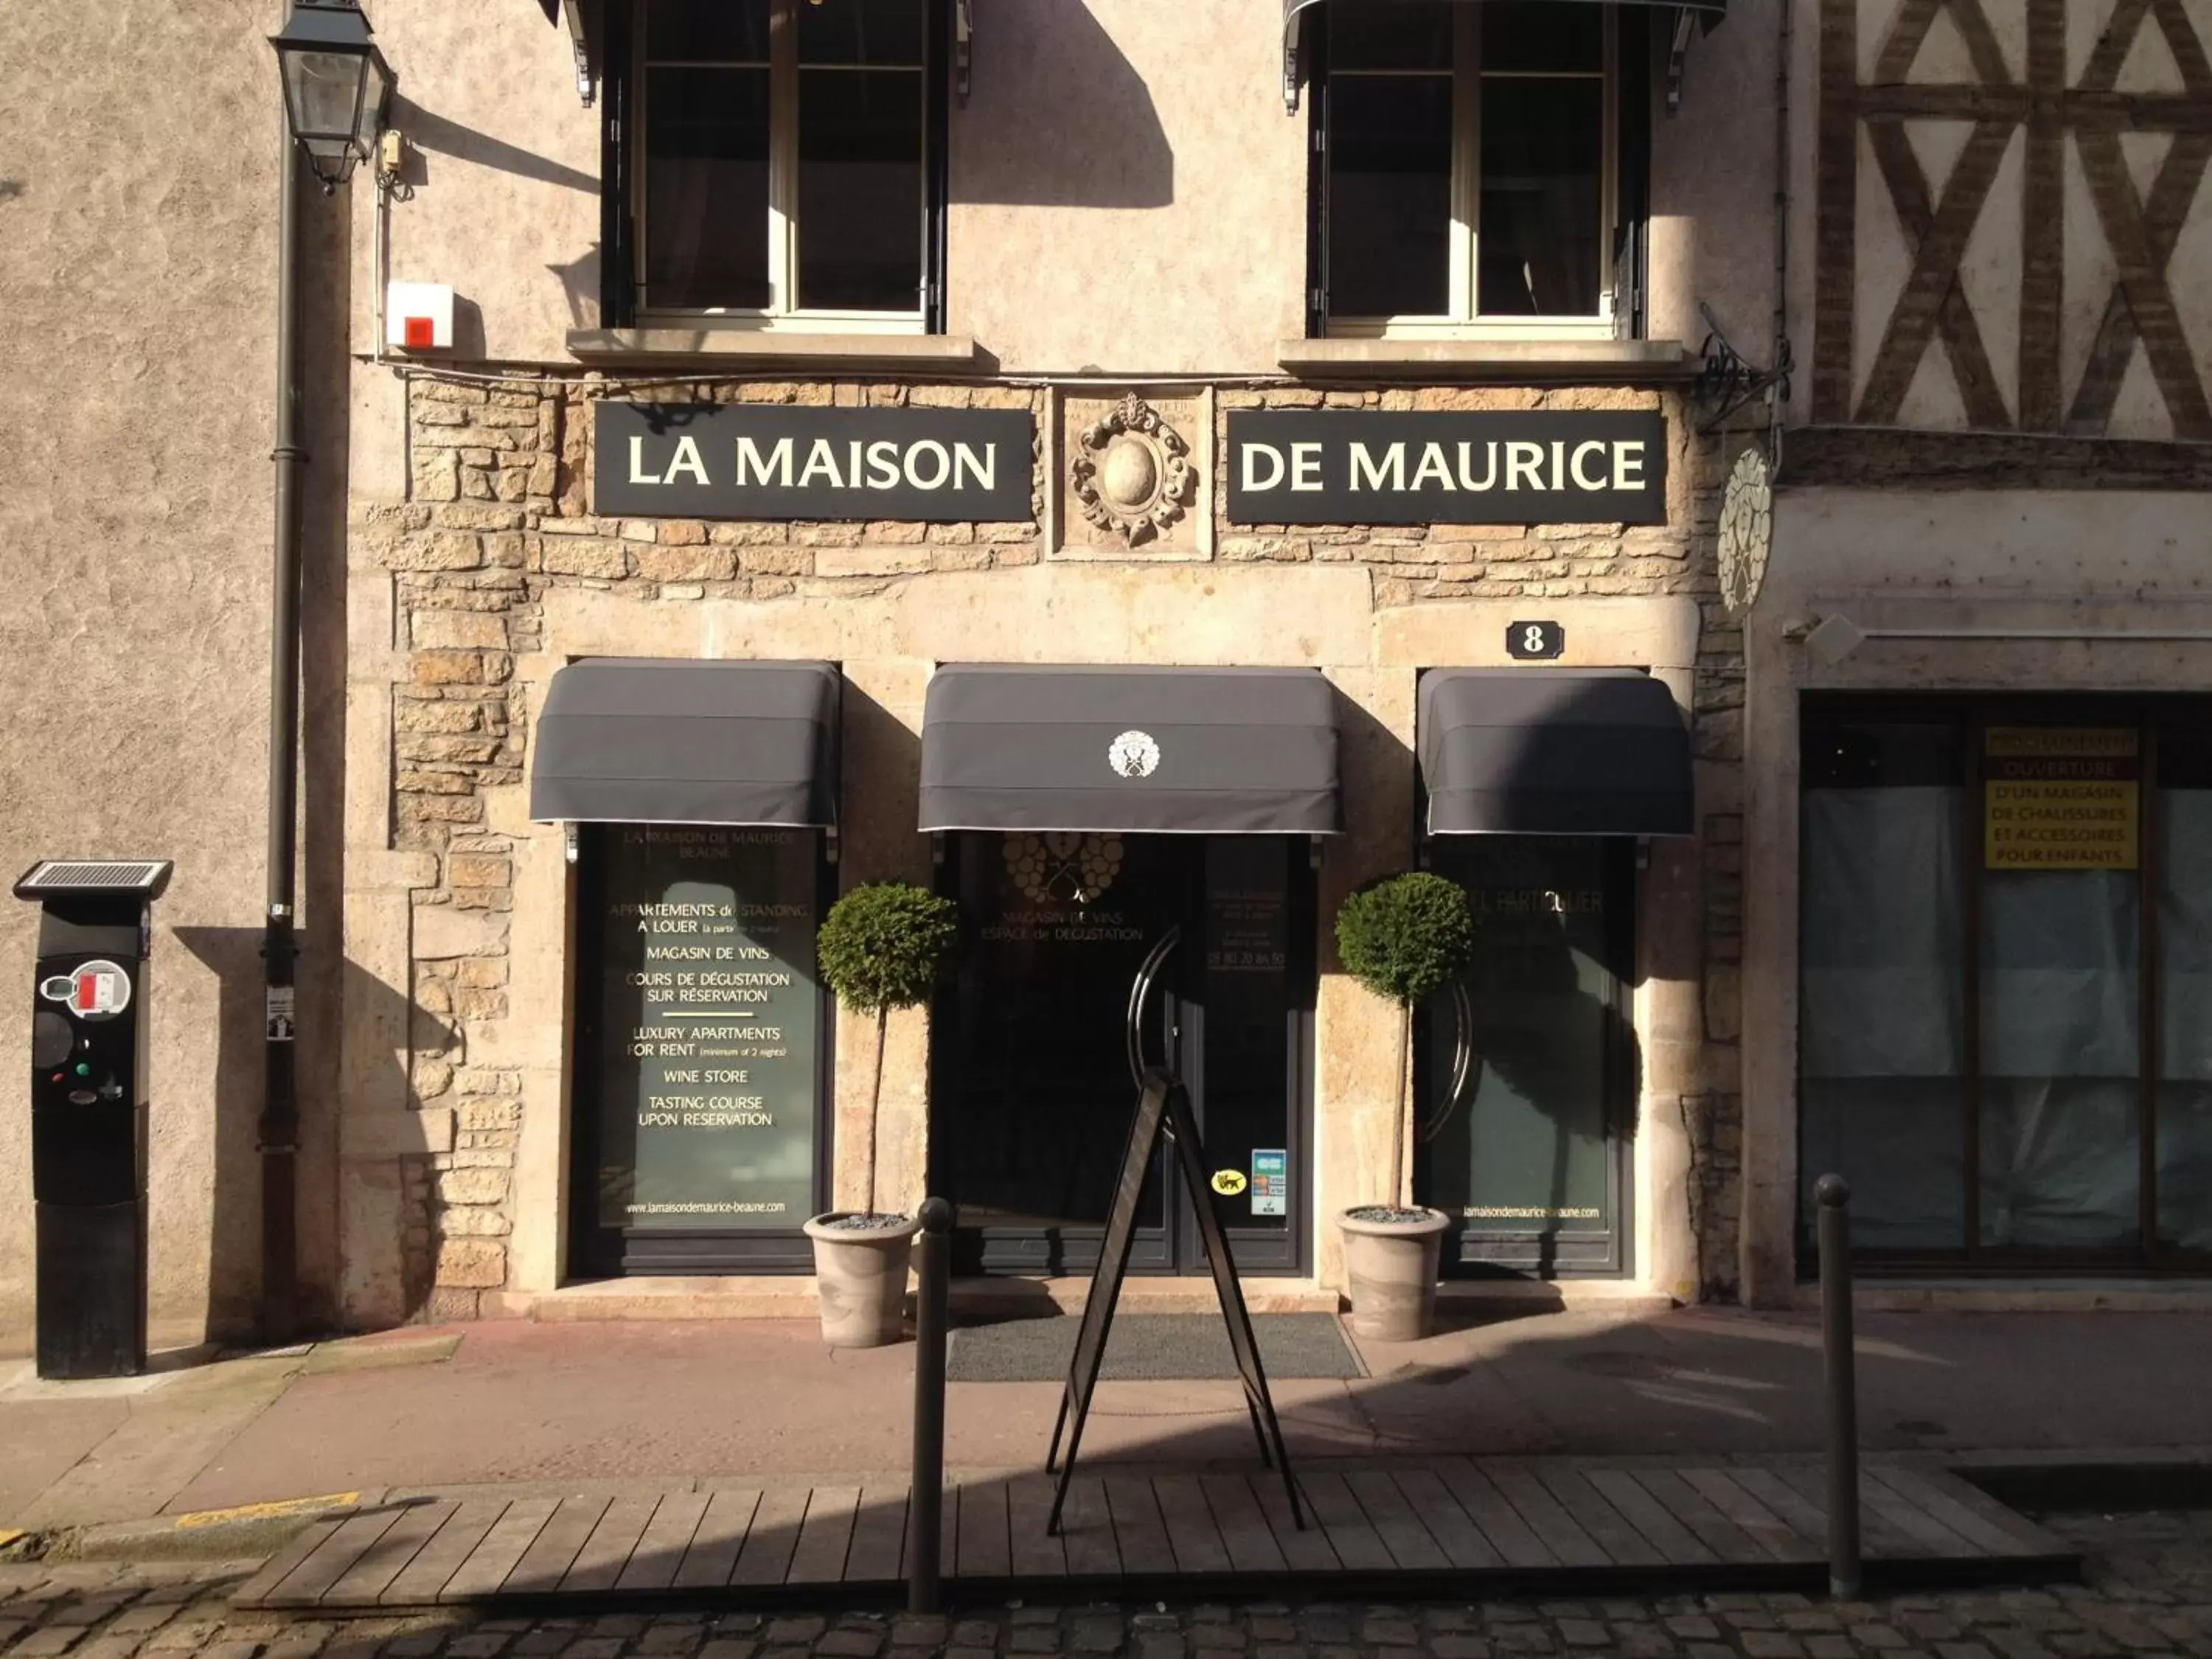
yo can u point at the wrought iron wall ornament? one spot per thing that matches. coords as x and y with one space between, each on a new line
1746 529
1133 478
1727 380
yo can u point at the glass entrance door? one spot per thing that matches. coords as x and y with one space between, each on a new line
1084 956
1523 1132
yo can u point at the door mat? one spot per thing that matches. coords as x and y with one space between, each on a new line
1150 1347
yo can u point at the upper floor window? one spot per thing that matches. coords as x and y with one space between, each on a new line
1468 170
778 158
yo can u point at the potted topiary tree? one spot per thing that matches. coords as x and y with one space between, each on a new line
881 947
1403 937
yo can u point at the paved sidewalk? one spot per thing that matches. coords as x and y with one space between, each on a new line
558 1404
2150 1594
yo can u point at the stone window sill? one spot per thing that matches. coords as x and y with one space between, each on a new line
1519 362
714 350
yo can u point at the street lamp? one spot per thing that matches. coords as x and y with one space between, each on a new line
338 87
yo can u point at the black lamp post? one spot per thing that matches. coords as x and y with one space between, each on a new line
337 90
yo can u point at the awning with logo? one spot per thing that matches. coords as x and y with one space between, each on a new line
642 740
1553 751
1684 12
1187 750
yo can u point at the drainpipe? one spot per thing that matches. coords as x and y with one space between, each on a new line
279 1128
1779 354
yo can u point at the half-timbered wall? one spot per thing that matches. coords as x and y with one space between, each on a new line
2011 228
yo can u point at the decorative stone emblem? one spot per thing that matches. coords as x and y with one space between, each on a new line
1133 755
1060 866
1133 478
1746 530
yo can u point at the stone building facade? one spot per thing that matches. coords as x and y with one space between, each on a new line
1967 383
493 571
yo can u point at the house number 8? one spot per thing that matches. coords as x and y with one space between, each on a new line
1535 641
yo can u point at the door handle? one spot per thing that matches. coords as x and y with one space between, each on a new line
1141 993
1464 1061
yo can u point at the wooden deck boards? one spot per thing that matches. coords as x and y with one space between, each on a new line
1443 1526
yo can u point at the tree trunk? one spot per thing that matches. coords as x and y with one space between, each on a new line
876 1103
1398 1118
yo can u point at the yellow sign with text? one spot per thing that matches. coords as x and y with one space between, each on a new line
2062 798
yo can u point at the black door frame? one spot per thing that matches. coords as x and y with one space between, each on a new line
1176 1018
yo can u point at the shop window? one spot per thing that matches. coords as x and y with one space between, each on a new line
1882 1019
1470 171
776 163
699 1042
1989 888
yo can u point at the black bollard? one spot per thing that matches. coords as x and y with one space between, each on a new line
924 1529
1833 1195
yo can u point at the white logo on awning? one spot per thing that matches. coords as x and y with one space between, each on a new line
1133 755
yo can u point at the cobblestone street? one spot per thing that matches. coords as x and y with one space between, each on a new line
2150 1593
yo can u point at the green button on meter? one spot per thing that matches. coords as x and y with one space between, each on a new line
83 1069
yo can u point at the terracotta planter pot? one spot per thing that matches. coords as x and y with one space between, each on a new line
860 1276
1392 1266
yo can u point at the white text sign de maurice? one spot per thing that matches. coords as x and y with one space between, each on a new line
1537 466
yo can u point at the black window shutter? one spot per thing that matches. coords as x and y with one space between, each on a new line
1316 54
936 169
1632 236
617 171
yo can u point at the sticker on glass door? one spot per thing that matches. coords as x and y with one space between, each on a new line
1271 1181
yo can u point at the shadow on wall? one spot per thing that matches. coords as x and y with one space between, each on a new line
1069 123
430 134
580 284
435 134
234 955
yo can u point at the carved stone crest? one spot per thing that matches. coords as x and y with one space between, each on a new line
1746 530
1132 476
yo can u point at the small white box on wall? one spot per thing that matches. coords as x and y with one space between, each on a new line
419 316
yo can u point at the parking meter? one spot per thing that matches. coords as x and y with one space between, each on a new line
90 1040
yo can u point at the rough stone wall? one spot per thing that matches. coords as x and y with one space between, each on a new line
140 144
499 515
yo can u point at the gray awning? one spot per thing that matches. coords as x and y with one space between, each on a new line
1194 750
1711 11
642 740
1553 751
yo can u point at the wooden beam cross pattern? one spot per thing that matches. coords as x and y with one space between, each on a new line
2143 232
2141 229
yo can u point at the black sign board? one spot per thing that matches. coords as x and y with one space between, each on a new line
1163 1108
1535 642
773 461
1533 466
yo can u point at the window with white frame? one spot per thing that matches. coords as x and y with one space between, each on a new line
779 157
1470 181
